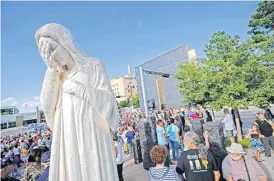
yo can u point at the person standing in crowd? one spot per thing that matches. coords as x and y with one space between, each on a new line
173 134
268 115
35 168
256 144
266 130
229 126
196 163
118 152
234 113
48 142
208 116
124 132
25 155
180 119
188 126
17 157
160 172
6 169
130 136
45 160
236 166
199 113
162 139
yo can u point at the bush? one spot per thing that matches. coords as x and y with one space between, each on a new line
245 143
227 141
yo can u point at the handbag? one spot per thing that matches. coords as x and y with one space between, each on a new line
246 169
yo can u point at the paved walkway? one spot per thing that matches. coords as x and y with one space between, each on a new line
133 172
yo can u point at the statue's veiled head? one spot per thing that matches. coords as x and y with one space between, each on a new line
61 36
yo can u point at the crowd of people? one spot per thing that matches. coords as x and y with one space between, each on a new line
197 161
26 156
178 145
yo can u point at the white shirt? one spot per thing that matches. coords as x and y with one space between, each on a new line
228 122
120 158
16 151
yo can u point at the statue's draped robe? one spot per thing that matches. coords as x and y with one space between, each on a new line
82 148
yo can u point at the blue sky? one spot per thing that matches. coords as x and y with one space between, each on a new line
118 33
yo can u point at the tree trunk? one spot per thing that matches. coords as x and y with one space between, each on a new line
238 125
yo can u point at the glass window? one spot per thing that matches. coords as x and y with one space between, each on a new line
7 111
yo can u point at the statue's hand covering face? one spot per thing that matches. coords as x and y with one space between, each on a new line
80 107
56 46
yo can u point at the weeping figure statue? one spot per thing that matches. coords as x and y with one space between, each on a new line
80 109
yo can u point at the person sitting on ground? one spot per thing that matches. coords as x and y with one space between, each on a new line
266 130
256 144
236 166
158 155
196 163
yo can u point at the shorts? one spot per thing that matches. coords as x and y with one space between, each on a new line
229 133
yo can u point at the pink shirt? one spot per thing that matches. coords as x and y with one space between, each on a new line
236 170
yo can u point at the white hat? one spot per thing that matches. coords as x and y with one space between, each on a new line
235 148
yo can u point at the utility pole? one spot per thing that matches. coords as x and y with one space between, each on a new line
143 90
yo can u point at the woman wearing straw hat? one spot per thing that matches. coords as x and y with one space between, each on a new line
236 166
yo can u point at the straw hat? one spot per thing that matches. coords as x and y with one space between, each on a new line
235 148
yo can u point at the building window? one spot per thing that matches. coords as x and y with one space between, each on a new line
7 111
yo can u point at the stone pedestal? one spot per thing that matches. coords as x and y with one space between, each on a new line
137 151
153 125
197 126
146 142
216 134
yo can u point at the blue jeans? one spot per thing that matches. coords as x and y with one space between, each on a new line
175 149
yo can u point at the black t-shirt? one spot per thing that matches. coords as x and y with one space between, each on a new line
194 168
265 128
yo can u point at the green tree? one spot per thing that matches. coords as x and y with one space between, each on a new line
262 20
135 100
124 103
261 27
193 84
221 75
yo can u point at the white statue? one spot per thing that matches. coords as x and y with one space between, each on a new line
80 109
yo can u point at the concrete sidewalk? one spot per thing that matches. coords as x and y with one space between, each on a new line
133 172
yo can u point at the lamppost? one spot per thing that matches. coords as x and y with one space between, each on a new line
165 75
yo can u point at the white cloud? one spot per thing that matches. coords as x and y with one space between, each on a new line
36 98
10 101
31 104
24 106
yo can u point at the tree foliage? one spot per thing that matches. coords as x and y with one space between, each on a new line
124 103
262 20
135 100
234 74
